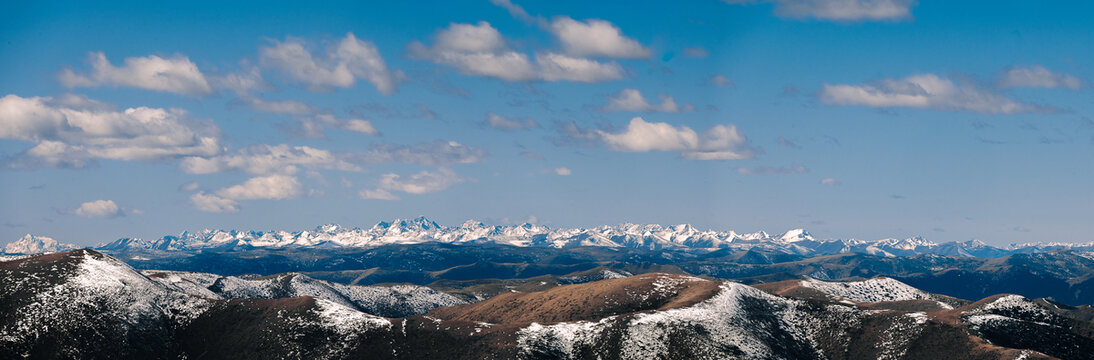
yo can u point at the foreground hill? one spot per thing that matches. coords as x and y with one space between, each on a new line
85 304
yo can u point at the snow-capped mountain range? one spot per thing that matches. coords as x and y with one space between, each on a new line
647 236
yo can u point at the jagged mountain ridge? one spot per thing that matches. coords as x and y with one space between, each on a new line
99 307
649 236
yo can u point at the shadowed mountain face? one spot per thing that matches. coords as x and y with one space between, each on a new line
1063 275
85 304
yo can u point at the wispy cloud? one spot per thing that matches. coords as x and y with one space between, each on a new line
419 183
839 10
925 91
769 170
1038 77
632 100
503 123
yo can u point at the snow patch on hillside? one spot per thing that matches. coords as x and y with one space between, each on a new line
871 290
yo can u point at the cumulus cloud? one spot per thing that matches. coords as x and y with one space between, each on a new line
480 50
563 171
175 74
502 123
830 182
99 209
925 91
720 142
73 131
226 200
1038 77
433 153
839 10
769 170
268 159
341 66
592 37
419 183
633 101
596 37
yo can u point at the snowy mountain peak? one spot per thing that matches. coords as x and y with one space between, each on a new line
31 244
796 235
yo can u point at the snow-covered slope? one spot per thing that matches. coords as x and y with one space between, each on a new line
31 244
386 301
872 290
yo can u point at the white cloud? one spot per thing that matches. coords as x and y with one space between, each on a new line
563 171
226 200
419 183
99 209
768 170
176 74
268 159
433 153
273 187
720 142
340 67
830 182
1038 77
632 100
212 203
361 126
595 37
925 91
720 80
840 10
72 131
502 123
377 194
480 50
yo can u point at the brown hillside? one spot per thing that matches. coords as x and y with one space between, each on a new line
587 301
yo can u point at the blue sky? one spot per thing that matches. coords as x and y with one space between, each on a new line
951 120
